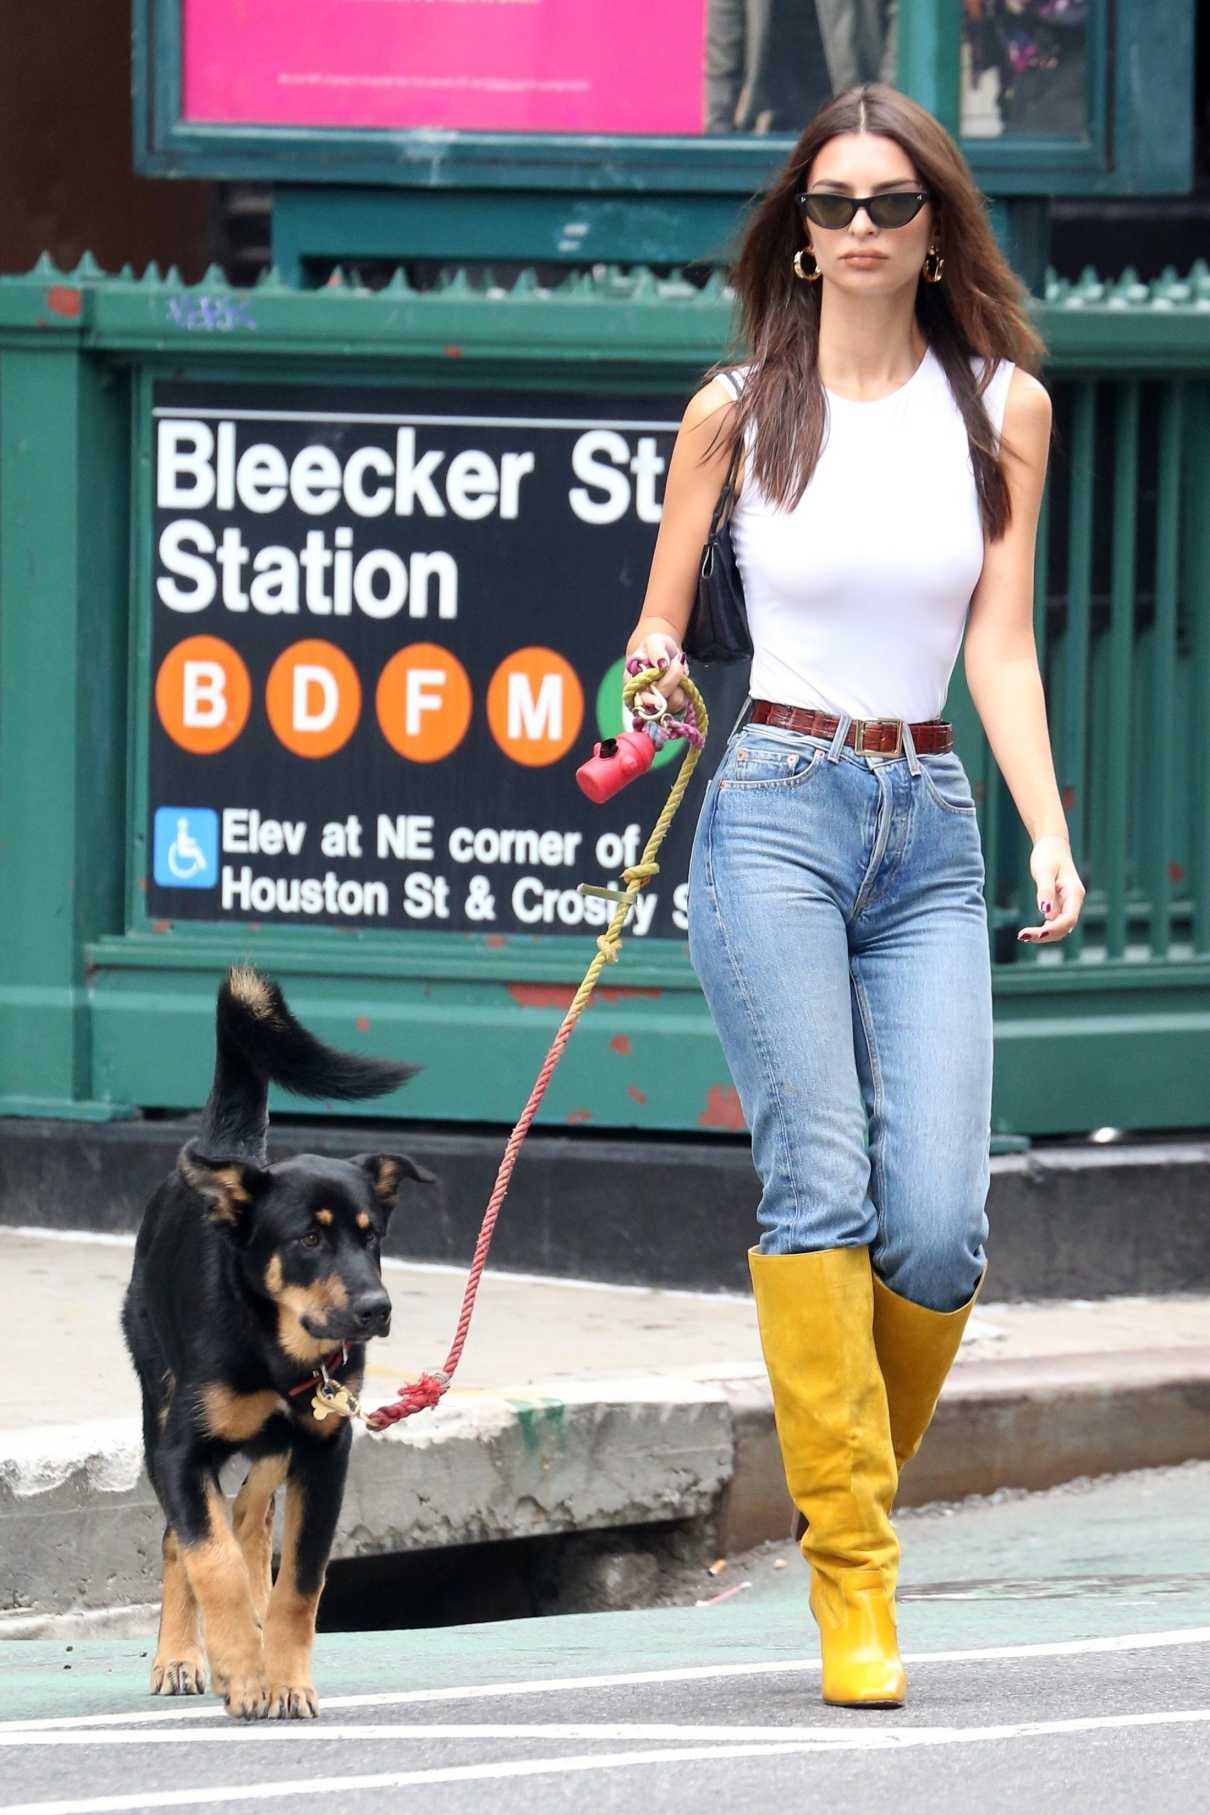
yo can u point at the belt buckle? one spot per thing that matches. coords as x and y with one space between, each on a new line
858 741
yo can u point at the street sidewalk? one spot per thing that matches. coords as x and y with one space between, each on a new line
577 1406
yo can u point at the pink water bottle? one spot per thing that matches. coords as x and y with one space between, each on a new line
614 762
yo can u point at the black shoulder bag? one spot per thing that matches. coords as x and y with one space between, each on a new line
718 623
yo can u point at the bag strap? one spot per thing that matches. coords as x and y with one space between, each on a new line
726 494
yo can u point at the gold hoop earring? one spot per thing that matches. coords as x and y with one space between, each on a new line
933 276
807 276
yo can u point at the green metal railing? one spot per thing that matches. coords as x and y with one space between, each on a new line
102 1013
1122 630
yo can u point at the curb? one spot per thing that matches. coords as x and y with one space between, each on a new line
1068 1220
1011 1423
82 1528
1028 1425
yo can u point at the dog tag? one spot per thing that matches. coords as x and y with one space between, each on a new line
333 1400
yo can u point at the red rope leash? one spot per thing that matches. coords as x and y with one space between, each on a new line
417 1395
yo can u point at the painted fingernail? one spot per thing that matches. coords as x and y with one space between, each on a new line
1046 907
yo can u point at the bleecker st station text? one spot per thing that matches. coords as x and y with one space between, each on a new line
200 469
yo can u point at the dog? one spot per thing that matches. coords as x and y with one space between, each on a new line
247 1279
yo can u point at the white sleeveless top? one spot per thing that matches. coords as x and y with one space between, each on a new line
857 599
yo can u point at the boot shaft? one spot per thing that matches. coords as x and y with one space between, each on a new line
816 1318
916 1348
815 1314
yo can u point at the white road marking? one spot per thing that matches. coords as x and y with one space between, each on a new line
287 1732
211 1710
871 1740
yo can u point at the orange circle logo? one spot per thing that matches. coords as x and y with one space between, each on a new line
424 702
313 698
203 694
535 706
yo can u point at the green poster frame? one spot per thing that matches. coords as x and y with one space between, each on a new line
1140 51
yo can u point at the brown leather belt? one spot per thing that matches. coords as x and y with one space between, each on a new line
883 736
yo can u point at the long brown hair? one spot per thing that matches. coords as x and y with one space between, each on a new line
979 307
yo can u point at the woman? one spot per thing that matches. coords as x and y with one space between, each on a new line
888 498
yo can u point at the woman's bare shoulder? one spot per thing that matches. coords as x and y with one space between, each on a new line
717 393
1028 399
1027 414
1022 389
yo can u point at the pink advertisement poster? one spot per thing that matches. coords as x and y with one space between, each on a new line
613 66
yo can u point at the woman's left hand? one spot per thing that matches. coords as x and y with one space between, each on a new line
1060 891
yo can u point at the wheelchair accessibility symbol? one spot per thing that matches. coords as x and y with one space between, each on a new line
186 847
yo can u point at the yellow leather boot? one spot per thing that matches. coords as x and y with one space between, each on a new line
916 1348
816 1318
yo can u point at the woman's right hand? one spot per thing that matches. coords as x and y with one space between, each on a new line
654 647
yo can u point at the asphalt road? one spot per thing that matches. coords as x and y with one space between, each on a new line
1057 1649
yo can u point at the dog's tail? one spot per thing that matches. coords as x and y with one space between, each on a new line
258 1042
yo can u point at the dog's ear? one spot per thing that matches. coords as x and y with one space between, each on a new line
387 1171
228 1186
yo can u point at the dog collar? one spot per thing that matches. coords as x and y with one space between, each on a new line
336 1359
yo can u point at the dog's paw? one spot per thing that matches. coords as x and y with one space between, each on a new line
245 1697
179 1675
293 1701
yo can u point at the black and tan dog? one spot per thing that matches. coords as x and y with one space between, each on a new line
246 1278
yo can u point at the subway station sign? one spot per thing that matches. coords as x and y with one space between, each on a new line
387 627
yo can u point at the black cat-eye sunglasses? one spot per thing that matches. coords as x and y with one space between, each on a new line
894 208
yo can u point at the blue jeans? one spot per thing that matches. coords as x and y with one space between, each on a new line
838 929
